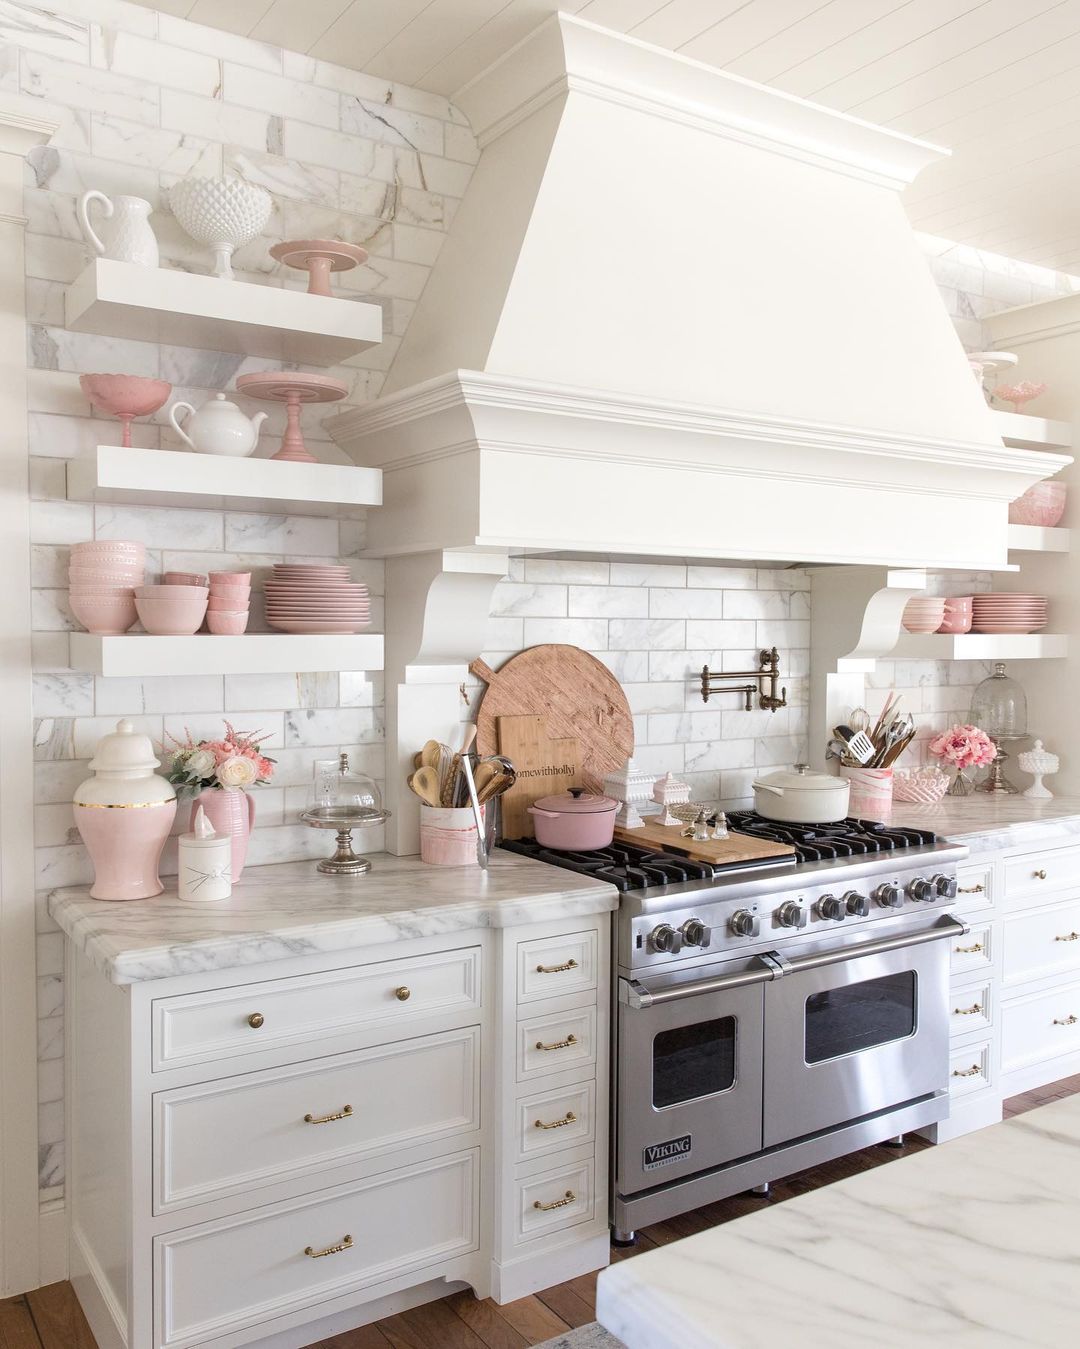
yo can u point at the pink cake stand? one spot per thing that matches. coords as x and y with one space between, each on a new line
319 257
292 388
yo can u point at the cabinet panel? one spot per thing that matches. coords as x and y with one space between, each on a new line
552 966
974 953
970 1069
557 1119
553 1043
1039 873
559 1198
974 887
1041 943
1040 1027
970 1008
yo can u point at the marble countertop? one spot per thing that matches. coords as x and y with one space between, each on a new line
974 1244
290 909
987 822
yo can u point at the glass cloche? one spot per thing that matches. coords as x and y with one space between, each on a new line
999 707
344 799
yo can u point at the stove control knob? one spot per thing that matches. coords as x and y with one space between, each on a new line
744 923
666 938
857 905
791 914
921 889
835 910
889 896
944 886
695 933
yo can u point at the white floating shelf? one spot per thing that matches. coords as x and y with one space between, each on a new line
1036 539
1025 432
979 646
154 304
182 478
139 655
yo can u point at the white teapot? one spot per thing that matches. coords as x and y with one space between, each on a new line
219 427
130 238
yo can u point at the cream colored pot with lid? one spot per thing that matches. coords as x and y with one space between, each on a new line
797 796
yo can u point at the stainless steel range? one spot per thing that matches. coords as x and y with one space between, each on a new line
770 1017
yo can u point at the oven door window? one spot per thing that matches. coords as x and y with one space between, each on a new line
854 1017
693 1061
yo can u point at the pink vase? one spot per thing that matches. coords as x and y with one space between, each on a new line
231 811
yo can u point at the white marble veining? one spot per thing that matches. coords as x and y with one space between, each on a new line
974 1244
989 823
291 910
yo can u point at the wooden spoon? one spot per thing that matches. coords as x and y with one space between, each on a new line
484 774
425 783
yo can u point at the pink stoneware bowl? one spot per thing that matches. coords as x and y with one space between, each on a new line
125 396
923 615
227 604
225 624
181 594
229 578
230 592
184 578
170 616
958 615
93 547
80 576
1043 505
104 615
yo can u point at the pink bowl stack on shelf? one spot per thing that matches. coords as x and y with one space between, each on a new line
924 614
301 598
171 610
1009 613
102 578
230 600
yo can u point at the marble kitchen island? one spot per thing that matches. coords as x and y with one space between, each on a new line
971 1245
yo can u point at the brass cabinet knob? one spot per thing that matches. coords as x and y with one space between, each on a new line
1040 875
402 994
255 1020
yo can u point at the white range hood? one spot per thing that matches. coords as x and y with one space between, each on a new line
682 314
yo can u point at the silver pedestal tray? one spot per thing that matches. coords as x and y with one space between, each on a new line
344 862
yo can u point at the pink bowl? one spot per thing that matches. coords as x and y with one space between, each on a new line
227 604
1043 505
92 546
89 576
180 594
184 578
231 577
226 624
105 615
171 616
232 592
923 615
90 589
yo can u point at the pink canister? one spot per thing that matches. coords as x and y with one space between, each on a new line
448 836
124 814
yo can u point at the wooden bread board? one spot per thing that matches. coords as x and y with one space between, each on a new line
720 851
544 767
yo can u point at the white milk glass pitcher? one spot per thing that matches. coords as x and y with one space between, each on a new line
130 238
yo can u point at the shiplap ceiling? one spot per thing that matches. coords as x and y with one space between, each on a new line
994 80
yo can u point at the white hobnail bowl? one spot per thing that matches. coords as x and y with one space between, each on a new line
222 212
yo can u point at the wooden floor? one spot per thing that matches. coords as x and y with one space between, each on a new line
50 1318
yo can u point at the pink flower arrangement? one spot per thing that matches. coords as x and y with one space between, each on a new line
234 761
964 746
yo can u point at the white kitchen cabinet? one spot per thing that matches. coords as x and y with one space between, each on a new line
267 1156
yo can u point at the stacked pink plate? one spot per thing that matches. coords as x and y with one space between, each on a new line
1008 613
302 598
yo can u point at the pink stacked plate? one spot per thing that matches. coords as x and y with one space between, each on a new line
1009 613
302 598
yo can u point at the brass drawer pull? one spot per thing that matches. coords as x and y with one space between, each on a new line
557 969
968 950
343 1245
568 1198
973 1071
255 1020
1040 875
343 1113
570 1118
971 889
1071 936
559 1044
403 994
973 1010
1065 1021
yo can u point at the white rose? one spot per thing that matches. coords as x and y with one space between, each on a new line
237 772
200 764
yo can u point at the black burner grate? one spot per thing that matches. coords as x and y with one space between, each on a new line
826 842
622 864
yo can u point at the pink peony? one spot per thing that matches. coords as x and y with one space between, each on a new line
964 746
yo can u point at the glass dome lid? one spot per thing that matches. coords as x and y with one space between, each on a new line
343 796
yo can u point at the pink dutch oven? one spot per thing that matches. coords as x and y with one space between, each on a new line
575 820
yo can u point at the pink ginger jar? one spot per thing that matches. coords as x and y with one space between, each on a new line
125 813
231 811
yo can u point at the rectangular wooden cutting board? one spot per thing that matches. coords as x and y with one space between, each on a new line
544 767
721 852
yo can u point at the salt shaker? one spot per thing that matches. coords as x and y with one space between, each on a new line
205 862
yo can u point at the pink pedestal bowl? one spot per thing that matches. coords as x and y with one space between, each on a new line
125 396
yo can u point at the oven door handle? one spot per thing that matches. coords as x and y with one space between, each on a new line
777 966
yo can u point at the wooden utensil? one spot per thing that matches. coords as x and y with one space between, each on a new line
485 773
578 698
734 848
425 783
544 766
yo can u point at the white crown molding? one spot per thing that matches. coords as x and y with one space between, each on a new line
25 122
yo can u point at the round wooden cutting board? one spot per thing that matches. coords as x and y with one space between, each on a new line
575 694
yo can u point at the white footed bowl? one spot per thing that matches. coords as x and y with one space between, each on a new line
222 212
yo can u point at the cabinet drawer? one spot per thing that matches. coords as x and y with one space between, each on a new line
553 1043
1040 1026
551 966
970 1008
557 1199
974 887
268 1127
221 1278
969 1069
1042 942
201 1027
556 1119
973 953
1038 873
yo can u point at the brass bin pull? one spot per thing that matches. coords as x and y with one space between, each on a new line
973 1071
967 1011
1040 875
343 1245
255 1020
403 994
968 950
568 1198
1065 1021
559 1044
1069 936
557 969
971 889
570 1118
343 1113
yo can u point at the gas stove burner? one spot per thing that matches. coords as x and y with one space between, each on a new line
827 842
629 867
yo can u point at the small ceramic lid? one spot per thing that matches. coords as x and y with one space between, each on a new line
800 779
202 833
125 750
577 801
124 774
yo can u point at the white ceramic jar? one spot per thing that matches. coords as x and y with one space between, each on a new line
205 869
